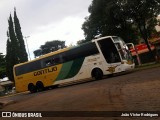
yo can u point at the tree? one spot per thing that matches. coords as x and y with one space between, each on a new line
23 57
37 53
16 52
143 13
49 46
9 63
11 55
79 42
128 19
2 65
13 41
107 19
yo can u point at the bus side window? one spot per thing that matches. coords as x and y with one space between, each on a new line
61 60
48 63
52 61
56 60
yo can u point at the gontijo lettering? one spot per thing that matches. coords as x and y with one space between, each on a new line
44 71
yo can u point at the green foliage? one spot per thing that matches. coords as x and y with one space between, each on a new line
80 42
143 13
16 52
14 42
128 19
2 65
9 62
11 56
107 19
37 52
23 57
49 46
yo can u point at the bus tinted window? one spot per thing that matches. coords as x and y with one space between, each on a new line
52 60
81 51
109 50
28 67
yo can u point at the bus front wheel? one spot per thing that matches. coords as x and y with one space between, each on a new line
32 88
97 74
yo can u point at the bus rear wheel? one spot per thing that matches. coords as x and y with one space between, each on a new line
32 88
39 86
97 74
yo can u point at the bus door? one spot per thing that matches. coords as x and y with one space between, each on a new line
124 52
109 52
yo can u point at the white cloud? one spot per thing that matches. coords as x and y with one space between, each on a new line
45 20
69 30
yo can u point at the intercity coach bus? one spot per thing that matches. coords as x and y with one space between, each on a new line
94 59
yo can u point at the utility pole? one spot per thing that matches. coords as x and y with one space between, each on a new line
27 47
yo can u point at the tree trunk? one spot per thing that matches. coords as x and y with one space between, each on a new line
144 34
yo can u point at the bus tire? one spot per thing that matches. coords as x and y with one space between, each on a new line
39 86
32 88
97 74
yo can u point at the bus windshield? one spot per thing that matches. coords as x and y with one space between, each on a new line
123 49
109 50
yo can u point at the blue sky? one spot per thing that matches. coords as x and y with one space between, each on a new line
45 20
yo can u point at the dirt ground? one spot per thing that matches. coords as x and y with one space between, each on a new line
135 91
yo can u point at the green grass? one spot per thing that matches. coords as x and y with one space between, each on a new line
147 66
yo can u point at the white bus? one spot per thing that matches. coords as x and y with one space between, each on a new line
94 59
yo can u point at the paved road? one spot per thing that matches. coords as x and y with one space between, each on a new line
135 91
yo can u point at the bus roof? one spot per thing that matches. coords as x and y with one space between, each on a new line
103 38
